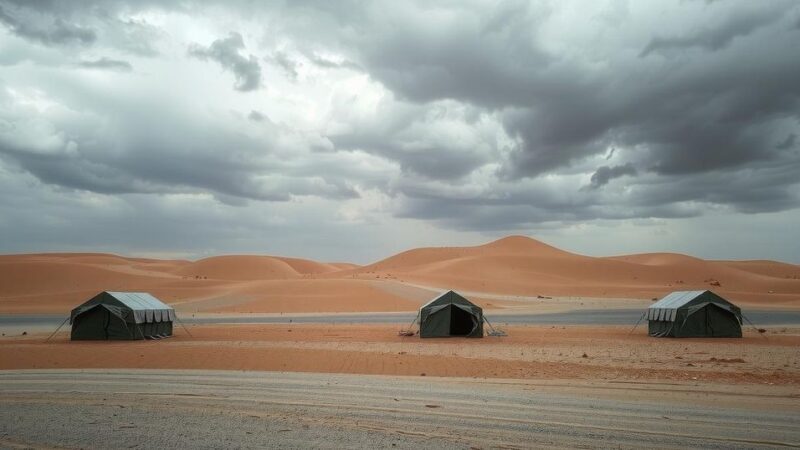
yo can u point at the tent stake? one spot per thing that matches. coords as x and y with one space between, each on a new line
637 323
752 325
59 327
494 332
407 332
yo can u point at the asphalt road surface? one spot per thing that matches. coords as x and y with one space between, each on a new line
209 409
578 317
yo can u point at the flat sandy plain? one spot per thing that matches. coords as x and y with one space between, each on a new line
337 385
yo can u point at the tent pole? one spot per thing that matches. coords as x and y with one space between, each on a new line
637 323
59 327
752 325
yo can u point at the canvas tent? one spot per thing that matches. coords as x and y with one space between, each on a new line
449 315
694 314
122 316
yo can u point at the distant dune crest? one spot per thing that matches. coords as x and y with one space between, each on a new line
514 265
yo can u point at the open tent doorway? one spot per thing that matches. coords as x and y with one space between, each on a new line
461 322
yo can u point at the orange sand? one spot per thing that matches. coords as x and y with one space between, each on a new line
521 266
528 352
513 266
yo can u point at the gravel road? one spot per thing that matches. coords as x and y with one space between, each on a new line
210 409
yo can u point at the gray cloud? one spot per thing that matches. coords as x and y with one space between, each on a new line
226 52
326 63
45 30
107 64
440 141
256 116
286 63
738 24
787 143
471 116
604 174
135 151
562 113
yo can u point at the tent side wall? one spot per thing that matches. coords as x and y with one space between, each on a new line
155 329
100 323
435 323
660 328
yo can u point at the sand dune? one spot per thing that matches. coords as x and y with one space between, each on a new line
522 266
515 266
313 295
239 268
250 267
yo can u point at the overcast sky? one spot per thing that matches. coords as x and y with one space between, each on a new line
340 130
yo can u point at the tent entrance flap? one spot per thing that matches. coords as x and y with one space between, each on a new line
461 322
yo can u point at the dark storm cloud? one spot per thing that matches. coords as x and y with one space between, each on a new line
45 30
137 151
477 116
673 114
431 161
226 52
738 24
697 114
500 216
440 141
604 174
492 60
787 143
107 64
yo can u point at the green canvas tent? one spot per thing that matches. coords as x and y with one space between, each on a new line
694 314
449 315
122 316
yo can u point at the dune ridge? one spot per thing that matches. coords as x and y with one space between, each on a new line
513 266
519 265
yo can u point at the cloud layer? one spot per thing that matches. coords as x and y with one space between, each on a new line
227 52
477 118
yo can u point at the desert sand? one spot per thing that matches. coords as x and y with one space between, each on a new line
542 385
499 274
544 352
512 275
